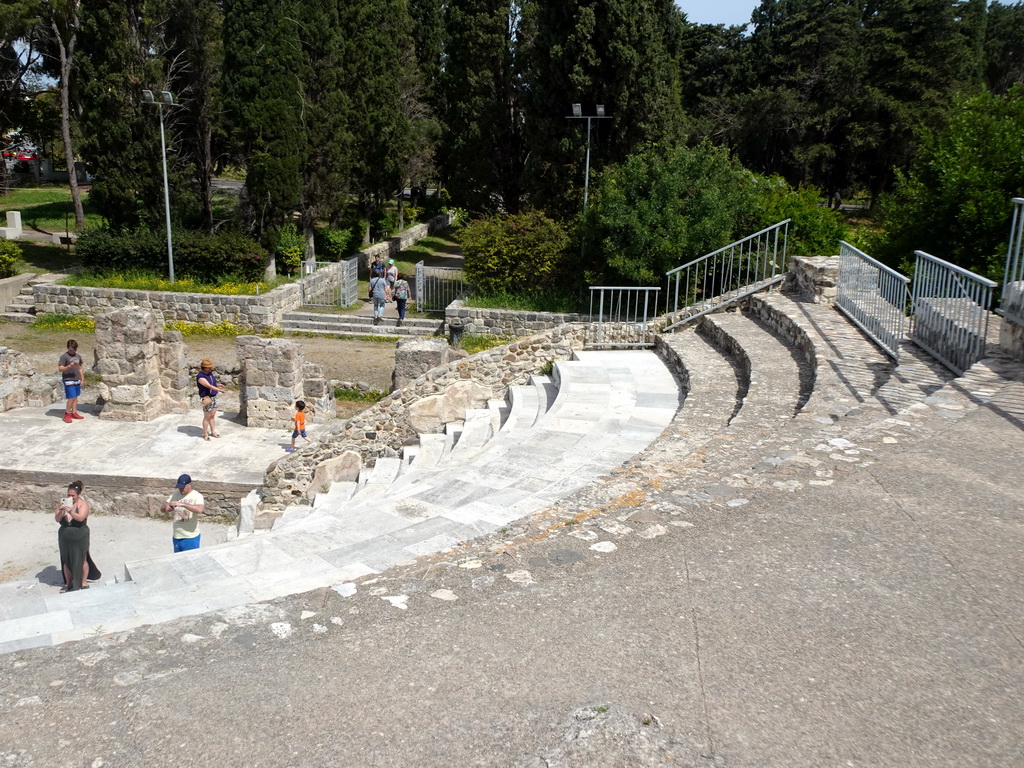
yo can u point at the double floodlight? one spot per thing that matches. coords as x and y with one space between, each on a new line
165 97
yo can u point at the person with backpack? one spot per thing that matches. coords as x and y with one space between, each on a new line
400 291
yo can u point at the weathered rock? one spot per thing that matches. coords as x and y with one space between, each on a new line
143 367
414 357
342 468
21 384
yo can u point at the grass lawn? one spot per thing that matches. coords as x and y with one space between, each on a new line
47 209
43 257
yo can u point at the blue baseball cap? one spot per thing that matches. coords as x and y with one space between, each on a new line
183 481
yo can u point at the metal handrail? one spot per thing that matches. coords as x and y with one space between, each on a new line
873 296
1012 305
622 323
951 311
728 274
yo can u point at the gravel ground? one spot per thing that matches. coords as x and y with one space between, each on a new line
352 360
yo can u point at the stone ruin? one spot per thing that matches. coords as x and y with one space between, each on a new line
144 370
21 384
274 374
414 357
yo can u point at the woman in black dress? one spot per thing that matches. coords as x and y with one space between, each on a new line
73 538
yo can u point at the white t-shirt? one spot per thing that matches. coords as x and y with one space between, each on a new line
188 528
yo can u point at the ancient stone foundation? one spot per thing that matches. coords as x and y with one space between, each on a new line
21 384
815 277
414 357
274 374
144 370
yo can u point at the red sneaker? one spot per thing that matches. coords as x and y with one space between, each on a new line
67 418
77 415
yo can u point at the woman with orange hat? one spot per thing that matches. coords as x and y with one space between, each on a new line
208 389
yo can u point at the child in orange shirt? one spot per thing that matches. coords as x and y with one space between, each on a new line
300 424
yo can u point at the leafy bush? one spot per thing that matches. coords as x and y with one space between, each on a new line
10 252
358 396
290 247
383 224
206 258
660 209
334 244
814 229
519 253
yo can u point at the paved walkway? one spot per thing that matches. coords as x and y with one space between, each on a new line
843 594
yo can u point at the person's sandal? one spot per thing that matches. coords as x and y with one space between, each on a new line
215 434
206 437
66 589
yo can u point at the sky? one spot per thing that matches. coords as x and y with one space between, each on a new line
718 11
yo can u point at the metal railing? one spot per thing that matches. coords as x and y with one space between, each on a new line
950 307
724 276
1012 306
330 283
622 316
873 296
437 287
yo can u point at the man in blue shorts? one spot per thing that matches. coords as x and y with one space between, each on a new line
185 505
70 367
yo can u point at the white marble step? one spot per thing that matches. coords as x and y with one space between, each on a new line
431 448
523 403
476 431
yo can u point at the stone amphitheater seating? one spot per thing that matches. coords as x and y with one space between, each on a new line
779 370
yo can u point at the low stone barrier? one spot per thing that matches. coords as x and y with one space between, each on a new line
504 323
257 312
21 384
383 429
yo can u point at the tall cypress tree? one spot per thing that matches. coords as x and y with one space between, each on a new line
483 152
263 94
120 141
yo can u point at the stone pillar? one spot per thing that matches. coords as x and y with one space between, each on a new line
144 370
414 357
274 374
814 277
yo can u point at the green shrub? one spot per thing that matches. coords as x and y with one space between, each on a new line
538 301
519 253
290 247
334 244
814 230
473 343
358 396
10 252
207 258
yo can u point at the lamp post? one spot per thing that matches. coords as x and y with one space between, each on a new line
577 114
165 97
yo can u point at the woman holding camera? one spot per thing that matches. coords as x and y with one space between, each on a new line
73 539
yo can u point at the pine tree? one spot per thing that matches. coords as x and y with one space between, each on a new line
1004 46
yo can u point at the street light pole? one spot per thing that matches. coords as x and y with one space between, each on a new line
168 99
577 114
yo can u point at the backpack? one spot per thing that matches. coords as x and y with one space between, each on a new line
377 269
402 290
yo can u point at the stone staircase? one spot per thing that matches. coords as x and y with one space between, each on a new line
359 325
773 396
22 308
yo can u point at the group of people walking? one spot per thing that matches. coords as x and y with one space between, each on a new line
386 285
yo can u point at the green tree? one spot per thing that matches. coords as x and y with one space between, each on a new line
661 208
954 202
194 52
619 53
516 253
1004 46
120 142
483 152
263 94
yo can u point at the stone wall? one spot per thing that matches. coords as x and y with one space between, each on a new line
504 323
274 374
144 370
815 277
414 357
21 384
388 249
386 427
258 312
